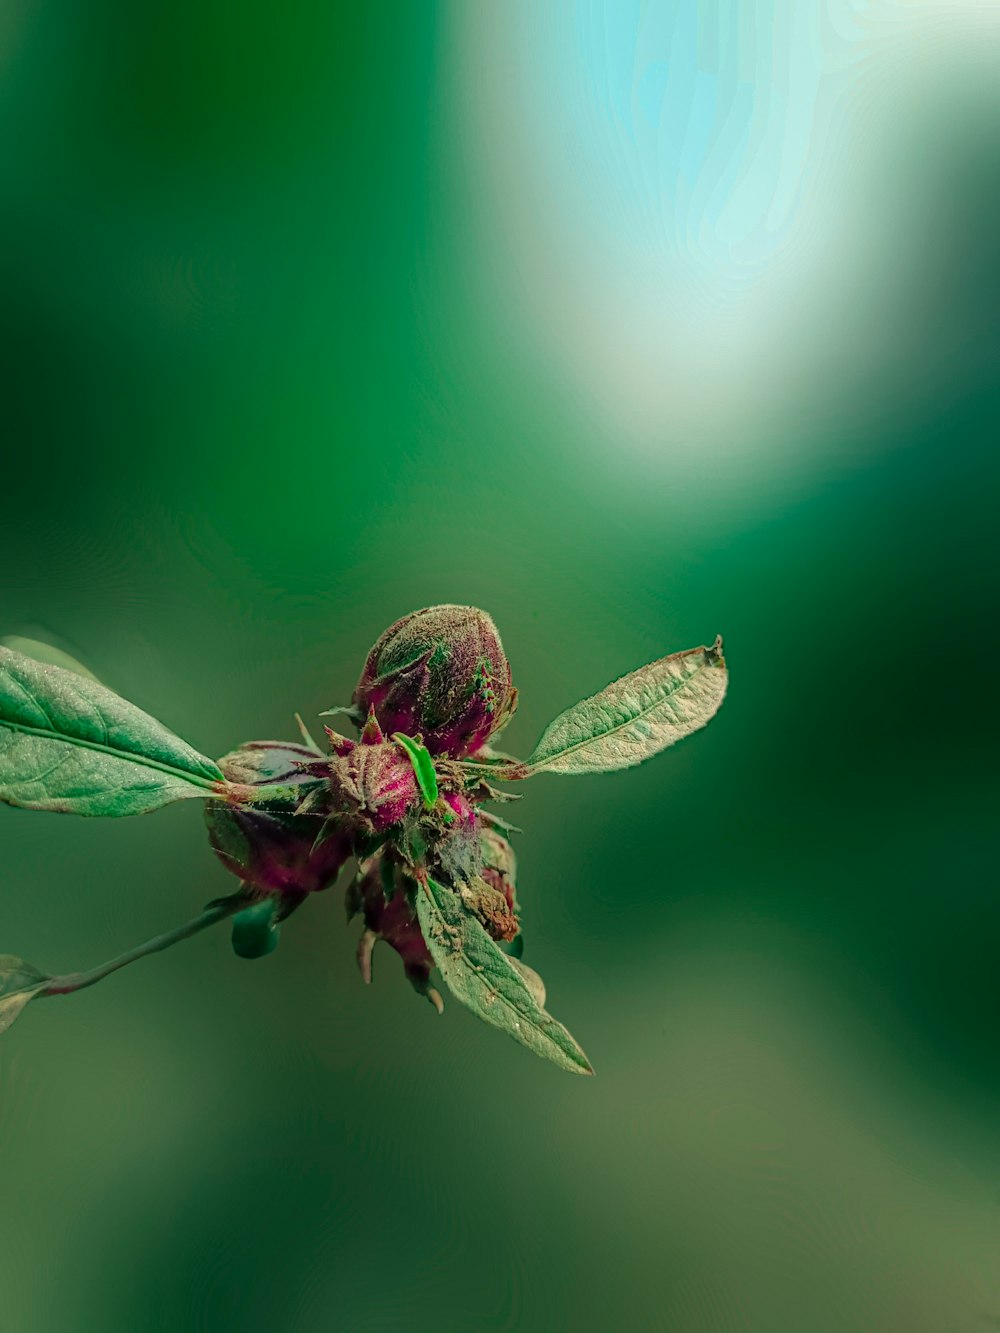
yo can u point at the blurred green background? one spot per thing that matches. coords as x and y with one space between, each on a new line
630 324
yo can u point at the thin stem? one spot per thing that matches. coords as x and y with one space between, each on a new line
218 911
516 770
243 794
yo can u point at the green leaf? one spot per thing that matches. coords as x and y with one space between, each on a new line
502 824
423 767
19 984
503 767
69 744
530 977
45 652
635 717
488 757
351 710
307 736
484 979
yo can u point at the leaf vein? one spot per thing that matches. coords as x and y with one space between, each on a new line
678 684
124 756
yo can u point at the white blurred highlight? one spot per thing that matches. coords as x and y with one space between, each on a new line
665 193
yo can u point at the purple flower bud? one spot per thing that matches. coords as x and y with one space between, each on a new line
267 845
381 894
373 783
462 808
440 673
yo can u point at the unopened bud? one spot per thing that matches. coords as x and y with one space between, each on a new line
266 844
442 674
256 929
373 784
382 892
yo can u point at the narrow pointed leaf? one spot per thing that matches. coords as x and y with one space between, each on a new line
637 716
530 977
307 736
350 709
69 744
423 767
502 824
486 981
19 984
502 770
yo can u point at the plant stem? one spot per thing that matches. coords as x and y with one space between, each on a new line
516 770
73 981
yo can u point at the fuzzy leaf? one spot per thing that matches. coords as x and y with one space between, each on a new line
19 984
423 767
484 979
307 736
45 652
69 744
352 711
635 717
502 824
530 977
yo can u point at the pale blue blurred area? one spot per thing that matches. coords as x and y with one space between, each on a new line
667 194
699 120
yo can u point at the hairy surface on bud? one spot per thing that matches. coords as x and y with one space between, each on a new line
374 785
462 809
267 845
440 673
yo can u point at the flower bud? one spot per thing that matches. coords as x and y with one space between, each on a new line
380 893
462 810
256 929
440 673
373 783
267 845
